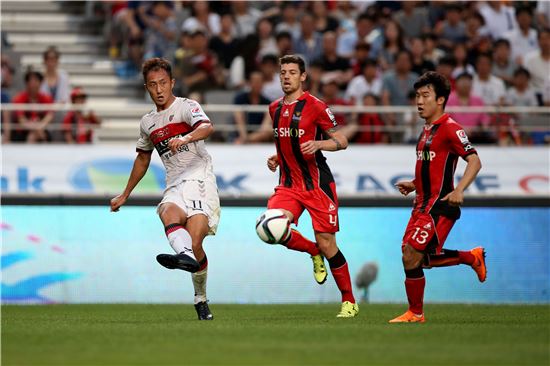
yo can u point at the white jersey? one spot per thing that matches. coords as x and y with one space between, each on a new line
191 161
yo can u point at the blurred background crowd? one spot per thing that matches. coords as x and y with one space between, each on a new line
359 53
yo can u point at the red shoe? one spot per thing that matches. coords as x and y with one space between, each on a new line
479 264
409 317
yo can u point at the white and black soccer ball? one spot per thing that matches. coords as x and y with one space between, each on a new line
273 226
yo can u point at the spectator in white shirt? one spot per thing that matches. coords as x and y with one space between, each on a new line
538 62
367 83
524 38
499 18
489 87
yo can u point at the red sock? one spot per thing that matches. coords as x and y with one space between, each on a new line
299 243
450 258
340 272
415 294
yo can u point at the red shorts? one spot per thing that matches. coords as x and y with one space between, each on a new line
322 209
426 233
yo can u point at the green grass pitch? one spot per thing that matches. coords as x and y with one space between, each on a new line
273 335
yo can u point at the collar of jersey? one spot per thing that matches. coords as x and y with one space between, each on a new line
441 119
167 109
300 98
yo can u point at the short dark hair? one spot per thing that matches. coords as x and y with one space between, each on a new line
155 64
524 9
51 49
294 59
33 73
447 60
501 42
486 55
522 71
283 34
439 83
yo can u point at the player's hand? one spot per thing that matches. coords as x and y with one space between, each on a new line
117 202
174 144
273 162
310 147
455 198
405 187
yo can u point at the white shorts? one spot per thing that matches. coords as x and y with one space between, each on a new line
196 197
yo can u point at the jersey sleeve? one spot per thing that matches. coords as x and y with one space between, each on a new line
193 114
458 140
144 143
325 118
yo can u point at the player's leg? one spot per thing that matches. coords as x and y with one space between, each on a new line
287 201
474 258
198 228
174 218
340 271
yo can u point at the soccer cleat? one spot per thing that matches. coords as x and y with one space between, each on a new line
409 317
203 311
179 261
319 269
348 310
479 264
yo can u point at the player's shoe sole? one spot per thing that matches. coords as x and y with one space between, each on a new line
203 311
178 261
348 310
409 317
319 269
479 264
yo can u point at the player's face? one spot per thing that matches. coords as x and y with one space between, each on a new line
291 78
427 104
159 85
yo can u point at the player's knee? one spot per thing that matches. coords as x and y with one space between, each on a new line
412 258
326 242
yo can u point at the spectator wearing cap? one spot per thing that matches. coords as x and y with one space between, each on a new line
503 65
523 39
78 124
486 85
160 34
499 18
368 82
463 96
31 126
56 81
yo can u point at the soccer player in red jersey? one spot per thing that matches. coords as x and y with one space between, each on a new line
303 126
436 206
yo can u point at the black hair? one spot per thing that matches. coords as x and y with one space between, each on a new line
283 34
155 64
447 60
501 42
439 83
33 73
294 59
522 71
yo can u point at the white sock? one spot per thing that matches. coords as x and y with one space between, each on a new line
199 283
180 241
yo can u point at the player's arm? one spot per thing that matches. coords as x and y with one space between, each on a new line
405 187
202 132
336 141
473 166
141 164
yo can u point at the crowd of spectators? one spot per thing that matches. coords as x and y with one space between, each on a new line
364 53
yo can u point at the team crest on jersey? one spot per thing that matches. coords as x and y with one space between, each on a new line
331 116
462 136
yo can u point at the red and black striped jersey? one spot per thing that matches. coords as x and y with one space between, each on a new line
437 152
303 120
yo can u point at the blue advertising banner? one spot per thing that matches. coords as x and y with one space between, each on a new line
69 254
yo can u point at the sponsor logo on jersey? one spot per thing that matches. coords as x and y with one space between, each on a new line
296 117
160 133
285 113
468 147
288 132
425 155
462 136
331 116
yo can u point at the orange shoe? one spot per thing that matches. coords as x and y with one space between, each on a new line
479 264
409 317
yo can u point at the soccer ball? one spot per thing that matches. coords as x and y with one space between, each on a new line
273 226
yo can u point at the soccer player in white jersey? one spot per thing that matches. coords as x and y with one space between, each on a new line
190 208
